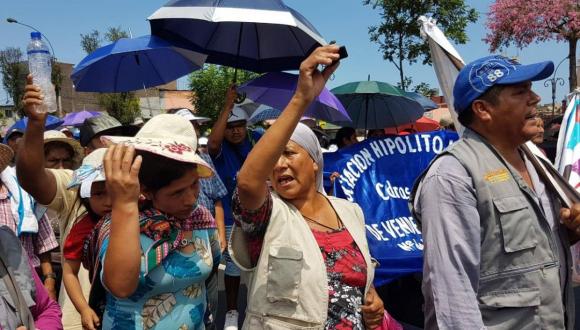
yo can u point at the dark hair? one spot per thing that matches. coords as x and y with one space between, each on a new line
158 171
58 144
491 96
85 202
323 139
13 134
343 133
465 118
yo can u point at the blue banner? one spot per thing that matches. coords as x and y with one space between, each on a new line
378 174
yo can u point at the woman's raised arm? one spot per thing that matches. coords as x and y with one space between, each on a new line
261 160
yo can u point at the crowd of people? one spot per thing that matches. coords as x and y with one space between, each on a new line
134 222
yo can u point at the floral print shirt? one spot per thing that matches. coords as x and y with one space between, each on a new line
345 265
171 296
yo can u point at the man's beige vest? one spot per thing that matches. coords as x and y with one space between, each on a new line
289 287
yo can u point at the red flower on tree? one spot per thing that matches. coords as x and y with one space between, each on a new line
522 22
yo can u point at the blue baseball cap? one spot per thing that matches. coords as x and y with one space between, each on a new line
480 75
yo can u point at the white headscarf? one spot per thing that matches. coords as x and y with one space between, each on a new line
305 137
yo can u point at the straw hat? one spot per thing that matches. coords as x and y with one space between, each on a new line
56 136
166 135
90 171
6 156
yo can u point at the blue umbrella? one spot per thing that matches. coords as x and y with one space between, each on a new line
52 122
426 103
132 64
264 113
259 35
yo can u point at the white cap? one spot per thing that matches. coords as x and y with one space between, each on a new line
187 114
90 171
238 114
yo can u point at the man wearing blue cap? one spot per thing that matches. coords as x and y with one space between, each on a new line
496 255
229 144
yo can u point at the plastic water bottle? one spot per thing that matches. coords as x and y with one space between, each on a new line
40 66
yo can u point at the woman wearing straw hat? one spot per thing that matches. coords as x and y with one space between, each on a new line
155 258
308 252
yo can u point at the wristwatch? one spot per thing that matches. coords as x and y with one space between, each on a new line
48 275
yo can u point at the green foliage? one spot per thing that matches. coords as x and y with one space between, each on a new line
122 106
115 33
405 83
209 87
91 41
398 34
425 89
14 71
56 77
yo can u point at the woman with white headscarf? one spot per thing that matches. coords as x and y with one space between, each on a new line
308 253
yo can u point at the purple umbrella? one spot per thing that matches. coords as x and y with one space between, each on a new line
276 89
78 118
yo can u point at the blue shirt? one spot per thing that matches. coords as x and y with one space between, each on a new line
171 296
212 189
227 163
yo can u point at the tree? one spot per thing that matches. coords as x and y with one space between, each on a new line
122 106
115 33
209 87
56 77
91 41
422 88
405 83
399 37
425 89
522 22
14 71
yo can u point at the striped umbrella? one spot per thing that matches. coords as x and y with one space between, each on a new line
258 35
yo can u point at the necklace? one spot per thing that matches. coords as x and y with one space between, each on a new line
187 241
323 225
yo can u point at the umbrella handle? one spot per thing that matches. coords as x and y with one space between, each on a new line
240 97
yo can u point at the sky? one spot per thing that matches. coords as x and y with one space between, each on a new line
345 21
